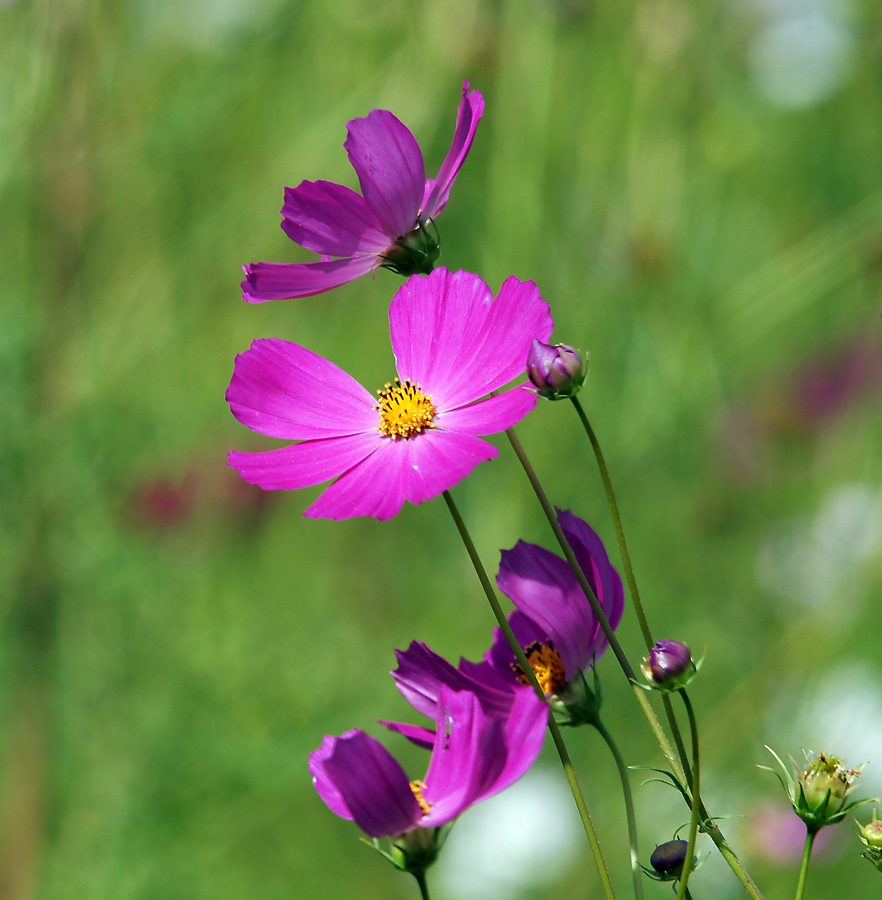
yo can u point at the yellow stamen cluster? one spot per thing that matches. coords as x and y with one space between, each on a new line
547 666
404 409
417 787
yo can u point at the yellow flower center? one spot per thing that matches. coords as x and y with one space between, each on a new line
417 787
404 409
547 666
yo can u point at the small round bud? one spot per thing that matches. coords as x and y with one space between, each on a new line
871 834
667 860
669 665
555 370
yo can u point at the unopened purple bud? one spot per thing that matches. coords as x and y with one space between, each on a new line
667 860
669 665
555 370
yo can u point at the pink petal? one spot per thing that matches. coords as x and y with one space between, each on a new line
303 465
443 308
471 108
387 159
332 220
499 347
489 416
375 487
416 734
281 281
284 390
437 460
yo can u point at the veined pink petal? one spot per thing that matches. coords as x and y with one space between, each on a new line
437 460
387 159
286 391
430 318
489 416
281 281
326 788
332 220
375 487
303 465
471 108
416 734
497 349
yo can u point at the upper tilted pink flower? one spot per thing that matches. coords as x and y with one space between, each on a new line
390 224
453 344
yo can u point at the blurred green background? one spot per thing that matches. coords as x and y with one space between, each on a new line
695 188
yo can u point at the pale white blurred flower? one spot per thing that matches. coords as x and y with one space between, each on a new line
513 843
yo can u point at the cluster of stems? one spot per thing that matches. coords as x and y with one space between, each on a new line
684 769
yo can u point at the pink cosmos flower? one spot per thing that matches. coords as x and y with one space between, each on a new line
474 755
553 622
453 344
389 225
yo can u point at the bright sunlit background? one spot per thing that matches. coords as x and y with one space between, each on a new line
696 189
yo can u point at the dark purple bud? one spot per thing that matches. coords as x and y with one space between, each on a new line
555 370
669 665
667 860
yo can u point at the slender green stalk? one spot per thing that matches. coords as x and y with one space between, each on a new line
629 570
424 887
806 856
617 524
696 800
636 871
527 669
711 829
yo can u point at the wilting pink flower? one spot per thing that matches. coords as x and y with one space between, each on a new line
390 224
453 344
553 623
474 755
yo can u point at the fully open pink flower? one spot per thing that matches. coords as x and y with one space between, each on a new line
453 343
390 224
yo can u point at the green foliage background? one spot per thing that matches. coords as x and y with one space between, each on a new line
174 644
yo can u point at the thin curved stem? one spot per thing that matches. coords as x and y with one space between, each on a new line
636 871
696 800
617 524
527 669
806 856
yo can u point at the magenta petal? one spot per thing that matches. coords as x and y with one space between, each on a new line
431 318
372 785
471 108
500 657
375 487
387 159
437 460
421 673
281 281
514 320
449 335
303 465
420 737
543 587
332 220
284 390
326 788
490 416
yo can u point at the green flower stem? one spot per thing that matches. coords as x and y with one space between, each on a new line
424 888
629 572
711 829
636 871
617 524
806 856
696 800
527 669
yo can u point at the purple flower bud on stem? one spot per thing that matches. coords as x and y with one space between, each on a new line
555 370
667 860
669 665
